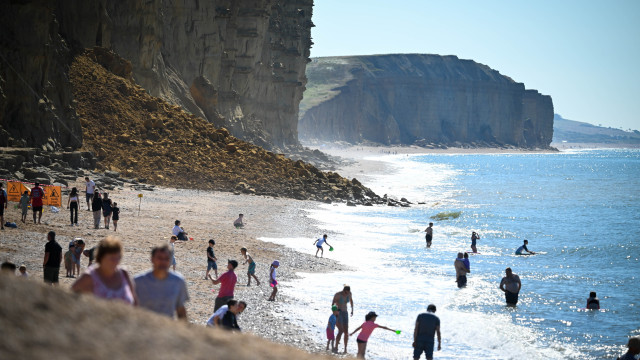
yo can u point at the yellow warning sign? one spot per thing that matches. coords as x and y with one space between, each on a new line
52 196
15 191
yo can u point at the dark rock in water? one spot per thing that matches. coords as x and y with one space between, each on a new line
349 203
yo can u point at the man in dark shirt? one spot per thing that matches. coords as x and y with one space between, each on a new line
427 326
52 259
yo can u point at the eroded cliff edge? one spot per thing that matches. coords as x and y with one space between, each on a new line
420 99
238 63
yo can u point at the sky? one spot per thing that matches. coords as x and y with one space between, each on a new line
585 54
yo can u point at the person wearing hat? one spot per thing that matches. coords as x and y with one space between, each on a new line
634 349
427 326
272 279
228 283
367 328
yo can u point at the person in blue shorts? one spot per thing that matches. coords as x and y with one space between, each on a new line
251 271
427 326
318 243
211 261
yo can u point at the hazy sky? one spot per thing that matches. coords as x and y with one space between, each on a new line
585 54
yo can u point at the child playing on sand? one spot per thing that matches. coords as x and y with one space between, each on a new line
367 328
238 222
115 211
331 327
272 280
24 205
68 261
211 261
251 272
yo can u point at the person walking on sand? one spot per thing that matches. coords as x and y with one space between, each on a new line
318 243
634 349
106 279
116 216
36 197
331 327
511 286
228 282
211 261
172 243
96 206
179 232
523 247
89 190
24 205
461 271
341 299
474 238
106 210
251 271
429 236
52 259
427 326
272 279
238 223
160 290
367 328
4 201
72 206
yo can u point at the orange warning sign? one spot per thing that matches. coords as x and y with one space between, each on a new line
52 196
15 190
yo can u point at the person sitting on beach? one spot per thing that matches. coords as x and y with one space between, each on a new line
341 299
429 236
251 271
24 205
107 280
160 290
367 328
179 232
318 243
524 248
593 303
272 279
238 222
474 238
461 271
228 282
211 261
511 286
23 271
427 326
634 349
331 327
216 318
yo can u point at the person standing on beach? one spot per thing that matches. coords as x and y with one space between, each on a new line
367 328
427 326
251 271
331 327
511 286
474 238
160 290
116 216
228 282
211 261
106 210
24 205
172 244
341 299
429 236
318 243
4 201
107 280
76 256
89 190
634 349
36 197
272 279
52 259
461 270
523 247
72 206
96 206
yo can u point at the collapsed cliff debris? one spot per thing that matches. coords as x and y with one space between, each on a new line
146 138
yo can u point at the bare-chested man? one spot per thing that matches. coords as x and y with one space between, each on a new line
341 299
429 235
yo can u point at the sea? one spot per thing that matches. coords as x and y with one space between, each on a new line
580 211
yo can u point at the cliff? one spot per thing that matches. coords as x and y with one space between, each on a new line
571 131
238 63
420 99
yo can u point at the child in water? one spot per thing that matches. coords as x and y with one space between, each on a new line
367 328
331 327
272 280
466 262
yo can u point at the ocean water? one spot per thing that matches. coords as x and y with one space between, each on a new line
580 210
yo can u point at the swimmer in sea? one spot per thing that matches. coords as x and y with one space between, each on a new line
429 236
524 248
593 303
474 238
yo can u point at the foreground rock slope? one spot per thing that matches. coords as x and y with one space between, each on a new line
427 100
143 137
38 322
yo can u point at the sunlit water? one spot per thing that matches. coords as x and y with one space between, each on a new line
579 209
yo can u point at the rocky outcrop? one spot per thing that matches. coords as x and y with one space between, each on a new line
421 99
238 63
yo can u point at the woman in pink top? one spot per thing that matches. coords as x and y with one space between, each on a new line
367 328
105 279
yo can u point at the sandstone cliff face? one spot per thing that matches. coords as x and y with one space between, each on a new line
238 63
407 99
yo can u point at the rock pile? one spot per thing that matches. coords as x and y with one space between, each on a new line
44 165
146 138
